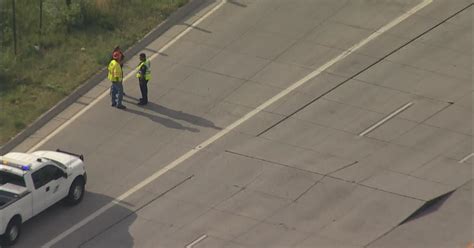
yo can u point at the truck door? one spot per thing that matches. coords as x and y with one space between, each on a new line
47 184
61 188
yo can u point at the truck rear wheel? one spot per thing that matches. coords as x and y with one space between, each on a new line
76 191
13 231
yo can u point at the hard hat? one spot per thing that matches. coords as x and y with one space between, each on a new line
116 55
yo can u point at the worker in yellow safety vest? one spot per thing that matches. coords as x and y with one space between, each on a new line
122 60
116 77
143 75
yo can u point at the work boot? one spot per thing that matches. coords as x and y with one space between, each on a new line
121 107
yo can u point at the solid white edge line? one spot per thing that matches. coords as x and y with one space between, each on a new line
106 92
376 125
466 158
236 123
197 241
146 181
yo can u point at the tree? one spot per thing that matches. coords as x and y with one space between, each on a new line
40 22
14 25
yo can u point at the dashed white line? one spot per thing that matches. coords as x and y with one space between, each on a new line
236 123
196 241
466 158
376 125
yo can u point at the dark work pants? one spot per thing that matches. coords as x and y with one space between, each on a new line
144 90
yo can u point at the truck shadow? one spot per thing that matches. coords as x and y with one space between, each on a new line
58 218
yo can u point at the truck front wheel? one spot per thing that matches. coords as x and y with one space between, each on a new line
13 231
76 191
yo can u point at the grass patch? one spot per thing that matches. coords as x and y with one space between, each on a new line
76 40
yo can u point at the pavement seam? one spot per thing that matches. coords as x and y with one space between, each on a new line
400 90
363 70
336 129
303 37
333 177
269 61
374 188
134 211
421 178
273 162
448 104
404 221
309 188
224 49
357 107
345 167
213 208
430 71
149 179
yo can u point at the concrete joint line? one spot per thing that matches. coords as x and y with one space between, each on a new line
126 205
344 167
274 162
229 128
393 114
145 182
374 188
376 33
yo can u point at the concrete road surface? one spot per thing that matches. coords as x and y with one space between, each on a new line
278 123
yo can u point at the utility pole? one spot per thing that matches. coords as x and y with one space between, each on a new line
14 26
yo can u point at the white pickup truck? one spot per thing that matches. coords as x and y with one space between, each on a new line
32 182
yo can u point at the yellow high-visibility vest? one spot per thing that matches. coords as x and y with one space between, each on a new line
115 71
147 72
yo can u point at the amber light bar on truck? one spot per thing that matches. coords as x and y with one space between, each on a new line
15 165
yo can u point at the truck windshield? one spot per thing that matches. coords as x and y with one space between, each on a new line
6 198
6 177
58 163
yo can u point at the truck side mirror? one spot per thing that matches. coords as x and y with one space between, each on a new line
59 174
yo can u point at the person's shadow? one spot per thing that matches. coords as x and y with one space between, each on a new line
179 115
176 115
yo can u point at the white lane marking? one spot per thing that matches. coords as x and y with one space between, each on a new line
106 92
196 241
376 125
466 158
235 124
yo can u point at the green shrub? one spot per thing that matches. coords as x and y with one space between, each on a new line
19 124
102 57
94 16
